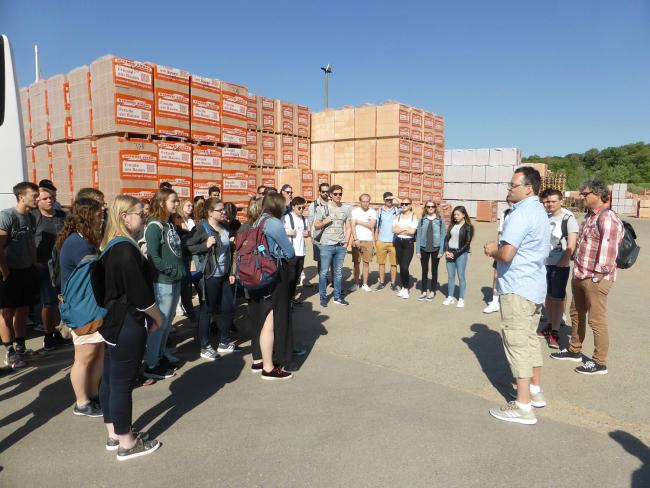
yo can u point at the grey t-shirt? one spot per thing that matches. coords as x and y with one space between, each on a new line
454 236
20 250
558 241
334 233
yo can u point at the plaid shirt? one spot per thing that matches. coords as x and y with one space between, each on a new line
596 253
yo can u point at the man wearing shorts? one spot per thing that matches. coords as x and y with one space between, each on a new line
564 235
19 285
384 241
49 222
364 220
521 284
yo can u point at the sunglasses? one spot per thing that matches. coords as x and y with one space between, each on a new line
430 206
300 207
337 193
405 204
222 210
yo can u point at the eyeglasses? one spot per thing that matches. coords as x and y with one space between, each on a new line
325 192
405 204
337 193
222 210
288 191
511 186
141 214
585 193
430 206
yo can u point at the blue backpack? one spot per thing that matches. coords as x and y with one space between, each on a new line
78 305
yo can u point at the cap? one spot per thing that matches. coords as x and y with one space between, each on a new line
388 195
47 184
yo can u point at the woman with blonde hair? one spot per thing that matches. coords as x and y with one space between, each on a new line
123 285
404 228
429 246
186 211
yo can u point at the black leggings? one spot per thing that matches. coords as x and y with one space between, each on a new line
296 266
404 251
121 365
424 261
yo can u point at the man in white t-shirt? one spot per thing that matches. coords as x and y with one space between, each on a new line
364 220
297 229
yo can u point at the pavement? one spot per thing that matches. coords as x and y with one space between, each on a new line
391 393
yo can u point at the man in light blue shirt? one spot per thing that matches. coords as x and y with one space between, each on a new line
384 247
521 284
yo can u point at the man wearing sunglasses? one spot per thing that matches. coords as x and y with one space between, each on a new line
321 201
384 241
333 220
287 193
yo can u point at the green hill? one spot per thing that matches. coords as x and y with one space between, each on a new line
624 164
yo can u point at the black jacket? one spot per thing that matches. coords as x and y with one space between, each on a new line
464 240
196 244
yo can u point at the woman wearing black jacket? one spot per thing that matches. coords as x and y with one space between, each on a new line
459 237
123 284
210 240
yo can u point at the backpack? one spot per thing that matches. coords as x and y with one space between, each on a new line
142 243
197 275
628 250
78 305
318 234
256 268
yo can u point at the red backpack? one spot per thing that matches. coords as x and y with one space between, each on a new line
256 268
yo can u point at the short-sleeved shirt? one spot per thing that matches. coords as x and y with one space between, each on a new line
73 250
334 233
47 228
526 229
385 220
20 246
406 223
361 215
558 240
299 225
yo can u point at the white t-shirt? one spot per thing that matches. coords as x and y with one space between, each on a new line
405 223
298 240
363 233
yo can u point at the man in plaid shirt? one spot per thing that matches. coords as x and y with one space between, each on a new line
594 273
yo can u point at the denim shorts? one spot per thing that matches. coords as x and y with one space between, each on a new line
556 281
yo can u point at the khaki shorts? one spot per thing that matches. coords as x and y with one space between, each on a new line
386 249
94 338
519 321
363 252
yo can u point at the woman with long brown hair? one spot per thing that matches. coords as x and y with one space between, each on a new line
81 237
459 237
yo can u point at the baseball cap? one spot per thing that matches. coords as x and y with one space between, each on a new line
388 195
47 184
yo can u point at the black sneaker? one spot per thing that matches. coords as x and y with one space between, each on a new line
393 287
90 409
256 367
50 343
158 373
167 364
590 367
114 444
141 448
341 301
566 355
380 286
276 373
323 303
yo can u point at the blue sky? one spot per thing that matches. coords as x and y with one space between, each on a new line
550 77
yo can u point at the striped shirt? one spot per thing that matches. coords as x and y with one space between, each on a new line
596 253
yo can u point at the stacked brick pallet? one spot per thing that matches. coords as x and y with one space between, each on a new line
125 126
623 202
373 149
643 205
477 179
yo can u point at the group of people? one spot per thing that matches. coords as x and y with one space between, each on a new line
151 256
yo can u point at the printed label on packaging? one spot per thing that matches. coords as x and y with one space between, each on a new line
252 181
251 114
439 156
404 178
251 138
94 165
235 182
287 125
303 118
139 193
438 140
234 155
66 95
268 159
427 152
132 73
287 141
416 148
416 119
403 192
287 111
168 130
307 192
207 84
287 156
303 145
268 143
201 187
428 122
322 178
234 89
252 155
303 160
182 186
428 137
172 104
207 159
268 171
71 178
307 176
427 167
438 169
437 183
404 146
138 164
439 124
130 110
415 194
234 106
174 75
68 128
427 182
416 165
404 116
176 154
416 179
205 111
404 163
268 122
404 131
268 104
416 134
427 196
233 135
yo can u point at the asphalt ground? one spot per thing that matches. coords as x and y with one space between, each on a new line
391 393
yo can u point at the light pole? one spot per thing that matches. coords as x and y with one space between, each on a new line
327 70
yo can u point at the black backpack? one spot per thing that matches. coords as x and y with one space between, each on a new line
628 250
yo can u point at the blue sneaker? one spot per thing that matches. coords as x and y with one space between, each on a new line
323 303
341 301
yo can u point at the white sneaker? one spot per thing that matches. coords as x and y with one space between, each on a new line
366 288
461 303
492 307
403 293
449 301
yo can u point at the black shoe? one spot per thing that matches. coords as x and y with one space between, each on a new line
50 343
141 448
566 355
158 373
393 287
341 301
323 303
256 367
381 286
276 373
590 367
90 409
167 364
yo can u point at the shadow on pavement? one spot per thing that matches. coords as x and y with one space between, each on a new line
308 326
487 345
634 446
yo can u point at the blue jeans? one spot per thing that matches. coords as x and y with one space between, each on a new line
457 266
167 296
331 255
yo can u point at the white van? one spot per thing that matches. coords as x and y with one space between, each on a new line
13 164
